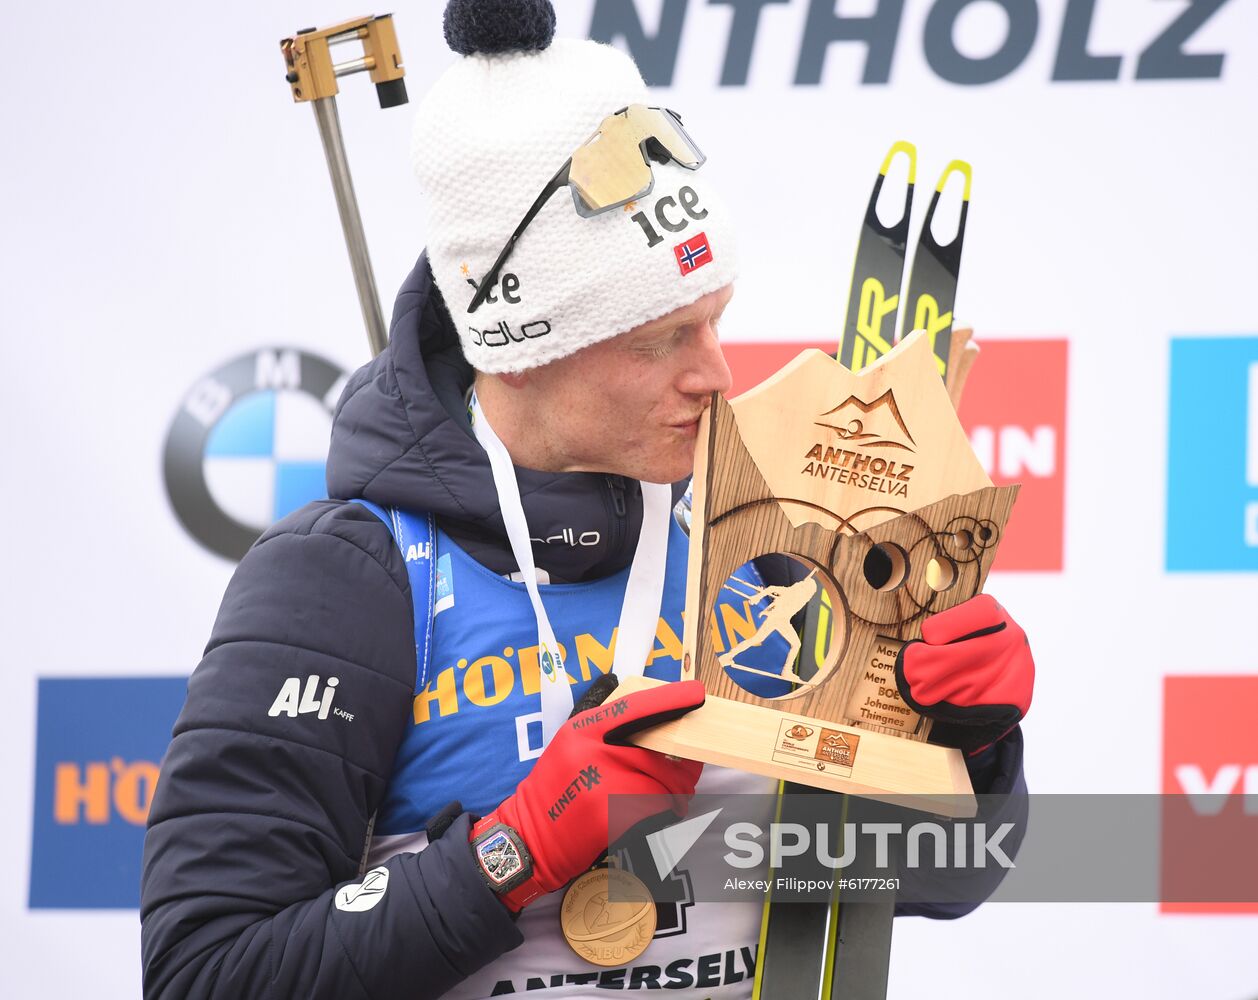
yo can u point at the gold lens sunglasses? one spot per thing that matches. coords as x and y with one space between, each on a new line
611 168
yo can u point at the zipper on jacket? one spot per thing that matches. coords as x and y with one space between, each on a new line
616 486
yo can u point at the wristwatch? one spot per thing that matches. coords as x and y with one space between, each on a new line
504 862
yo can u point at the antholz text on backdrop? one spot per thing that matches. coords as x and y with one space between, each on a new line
1170 54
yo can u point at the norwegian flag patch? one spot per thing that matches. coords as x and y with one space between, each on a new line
693 253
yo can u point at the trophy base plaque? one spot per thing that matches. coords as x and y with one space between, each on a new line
779 744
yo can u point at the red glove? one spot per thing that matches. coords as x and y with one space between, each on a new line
971 672
556 825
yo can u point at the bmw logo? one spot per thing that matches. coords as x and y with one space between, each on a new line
249 444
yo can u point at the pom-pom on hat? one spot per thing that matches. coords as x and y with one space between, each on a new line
490 26
489 136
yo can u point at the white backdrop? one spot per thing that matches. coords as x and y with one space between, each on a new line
166 208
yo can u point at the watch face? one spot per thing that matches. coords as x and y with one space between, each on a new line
499 857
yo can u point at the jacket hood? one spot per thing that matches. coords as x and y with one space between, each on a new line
401 437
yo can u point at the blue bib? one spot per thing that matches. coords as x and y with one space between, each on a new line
476 725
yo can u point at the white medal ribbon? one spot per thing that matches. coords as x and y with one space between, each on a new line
634 637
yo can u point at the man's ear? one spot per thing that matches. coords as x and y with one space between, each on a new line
516 380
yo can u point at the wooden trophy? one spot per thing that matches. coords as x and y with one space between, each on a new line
869 481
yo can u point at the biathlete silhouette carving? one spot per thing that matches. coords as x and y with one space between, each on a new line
784 604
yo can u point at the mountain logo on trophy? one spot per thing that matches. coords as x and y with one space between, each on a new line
870 425
837 748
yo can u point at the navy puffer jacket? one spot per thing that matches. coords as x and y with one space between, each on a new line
256 819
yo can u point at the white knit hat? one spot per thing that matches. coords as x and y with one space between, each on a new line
494 129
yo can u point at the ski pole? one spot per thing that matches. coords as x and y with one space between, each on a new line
312 75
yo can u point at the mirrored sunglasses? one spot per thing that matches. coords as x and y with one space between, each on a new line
610 169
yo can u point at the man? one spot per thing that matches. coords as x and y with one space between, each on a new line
373 662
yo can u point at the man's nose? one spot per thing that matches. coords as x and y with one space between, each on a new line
707 371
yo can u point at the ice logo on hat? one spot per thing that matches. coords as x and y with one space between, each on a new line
249 445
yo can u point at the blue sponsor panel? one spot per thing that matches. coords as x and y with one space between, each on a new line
1212 469
98 747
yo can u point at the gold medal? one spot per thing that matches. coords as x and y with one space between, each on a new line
608 931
